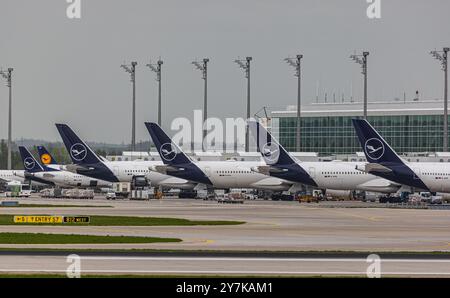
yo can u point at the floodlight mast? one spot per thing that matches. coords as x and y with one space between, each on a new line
7 75
156 68
245 65
442 57
362 60
131 69
203 67
296 63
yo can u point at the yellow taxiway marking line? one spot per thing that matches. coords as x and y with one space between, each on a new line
371 218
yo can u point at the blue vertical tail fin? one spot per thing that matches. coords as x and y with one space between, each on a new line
45 157
30 164
273 153
170 153
79 151
375 148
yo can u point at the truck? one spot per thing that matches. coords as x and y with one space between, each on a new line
121 189
17 189
76 193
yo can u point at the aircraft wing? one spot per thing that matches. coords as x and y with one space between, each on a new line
266 170
376 167
74 168
164 169
380 185
174 182
269 181
48 176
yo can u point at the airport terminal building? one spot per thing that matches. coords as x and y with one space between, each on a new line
326 128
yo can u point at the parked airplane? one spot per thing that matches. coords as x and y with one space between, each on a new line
384 162
7 176
88 163
42 173
216 174
335 175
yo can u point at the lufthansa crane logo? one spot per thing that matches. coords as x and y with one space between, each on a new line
78 152
374 148
168 152
46 159
29 163
271 152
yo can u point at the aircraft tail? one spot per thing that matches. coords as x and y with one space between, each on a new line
273 153
376 149
30 164
45 157
79 151
170 153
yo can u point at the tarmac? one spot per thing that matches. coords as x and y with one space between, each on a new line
224 265
270 226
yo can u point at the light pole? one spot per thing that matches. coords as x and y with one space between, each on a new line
442 57
8 76
131 69
362 59
157 69
296 63
204 69
245 65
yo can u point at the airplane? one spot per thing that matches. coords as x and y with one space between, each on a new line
328 176
7 176
88 163
43 174
212 174
384 162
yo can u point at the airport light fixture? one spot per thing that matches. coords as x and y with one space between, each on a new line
131 69
156 68
7 75
442 57
245 65
203 67
296 63
362 60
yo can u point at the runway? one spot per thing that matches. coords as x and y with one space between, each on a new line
270 226
231 265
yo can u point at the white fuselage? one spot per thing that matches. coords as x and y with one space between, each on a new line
12 175
344 176
124 171
238 174
435 175
69 179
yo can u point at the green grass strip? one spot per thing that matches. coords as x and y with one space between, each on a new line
40 238
98 220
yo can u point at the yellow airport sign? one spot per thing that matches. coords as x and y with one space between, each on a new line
38 219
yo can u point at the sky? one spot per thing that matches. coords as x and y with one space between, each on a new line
68 70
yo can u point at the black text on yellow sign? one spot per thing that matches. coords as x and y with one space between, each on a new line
76 219
50 219
38 219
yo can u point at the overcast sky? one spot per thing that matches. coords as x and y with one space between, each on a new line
68 70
